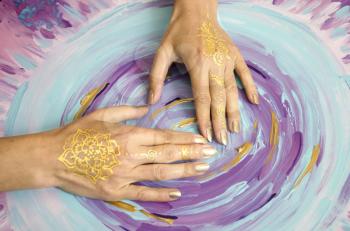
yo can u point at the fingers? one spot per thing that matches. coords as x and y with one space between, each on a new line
232 107
119 113
169 153
160 172
218 104
247 79
142 193
202 99
145 136
161 64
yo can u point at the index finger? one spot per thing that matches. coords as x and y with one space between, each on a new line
147 136
247 80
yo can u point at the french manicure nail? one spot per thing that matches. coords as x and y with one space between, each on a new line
236 126
209 135
175 194
255 98
201 167
200 140
209 151
223 135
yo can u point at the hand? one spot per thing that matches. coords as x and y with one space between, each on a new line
99 157
195 38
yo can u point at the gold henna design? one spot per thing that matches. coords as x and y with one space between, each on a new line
219 80
220 112
214 46
185 153
151 155
90 154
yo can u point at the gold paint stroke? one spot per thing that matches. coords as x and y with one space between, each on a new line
185 122
172 104
273 136
130 208
124 206
242 151
88 99
311 164
163 219
255 124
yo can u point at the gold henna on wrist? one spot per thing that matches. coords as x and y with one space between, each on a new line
90 154
214 45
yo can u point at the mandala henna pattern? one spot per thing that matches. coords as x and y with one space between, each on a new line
90 154
214 46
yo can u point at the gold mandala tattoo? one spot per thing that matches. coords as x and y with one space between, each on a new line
214 46
90 154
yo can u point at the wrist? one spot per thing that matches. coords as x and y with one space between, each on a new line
195 9
45 154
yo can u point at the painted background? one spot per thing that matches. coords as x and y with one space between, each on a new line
287 170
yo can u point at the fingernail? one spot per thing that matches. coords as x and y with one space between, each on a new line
236 126
175 194
209 151
201 167
209 135
151 97
223 135
200 140
255 98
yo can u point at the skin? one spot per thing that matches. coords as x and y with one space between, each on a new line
144 155
216 104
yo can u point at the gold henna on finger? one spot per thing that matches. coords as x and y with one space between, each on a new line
214 45
219 80
90 154
151 155
185 153
220 112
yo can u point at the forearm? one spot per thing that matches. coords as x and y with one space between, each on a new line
23 163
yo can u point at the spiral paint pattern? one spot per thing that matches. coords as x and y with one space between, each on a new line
288 168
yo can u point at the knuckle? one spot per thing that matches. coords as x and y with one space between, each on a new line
195 149
172 152
159 173
167 136
245 70
219 98
232 113
188 169
142 194
231 87
199 51
203 98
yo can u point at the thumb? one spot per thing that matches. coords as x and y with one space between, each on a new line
119 113
161 63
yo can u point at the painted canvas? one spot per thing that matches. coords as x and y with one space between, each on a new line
289 167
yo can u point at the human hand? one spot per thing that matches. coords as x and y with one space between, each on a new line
99 157
195 38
